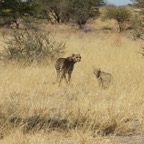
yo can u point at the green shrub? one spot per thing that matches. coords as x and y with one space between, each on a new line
138 28
120 14
30 46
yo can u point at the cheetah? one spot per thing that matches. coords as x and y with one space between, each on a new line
104 79
65 66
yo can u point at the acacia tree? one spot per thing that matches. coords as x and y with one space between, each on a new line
48 9
80 11
14 9
120 14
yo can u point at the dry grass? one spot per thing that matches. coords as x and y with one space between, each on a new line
26 92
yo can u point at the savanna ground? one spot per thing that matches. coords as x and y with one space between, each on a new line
80 113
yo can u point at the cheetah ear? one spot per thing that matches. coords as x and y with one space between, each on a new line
73 55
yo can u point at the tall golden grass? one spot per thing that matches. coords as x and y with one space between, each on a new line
28 91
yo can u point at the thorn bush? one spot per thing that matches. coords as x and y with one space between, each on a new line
30 46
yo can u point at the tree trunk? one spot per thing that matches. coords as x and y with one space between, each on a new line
120 27
15 20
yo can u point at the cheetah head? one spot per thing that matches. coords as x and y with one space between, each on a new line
97 71
76 57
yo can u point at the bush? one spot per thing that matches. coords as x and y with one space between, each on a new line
120 14
15 9
30 46
139 3
138 28
77 11
80 11
138 23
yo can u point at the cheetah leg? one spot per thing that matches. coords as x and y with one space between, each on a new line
105 85
69 76
58 77
65 78
62 77
100 83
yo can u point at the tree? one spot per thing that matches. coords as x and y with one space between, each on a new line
120 14
138 22
139 3
102 2
49 9
15 9
80 11
53 9
138 25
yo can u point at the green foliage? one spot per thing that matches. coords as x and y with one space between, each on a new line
102 2
81 11
78 11
120 14
47 9
139 3
138 21
138 28
138 24
14 9
30 46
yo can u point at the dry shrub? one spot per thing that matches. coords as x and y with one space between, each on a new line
138 27
30 46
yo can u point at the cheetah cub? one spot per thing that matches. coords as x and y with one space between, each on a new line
65 66
104 79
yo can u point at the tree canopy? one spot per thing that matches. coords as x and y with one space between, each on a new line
120 14
15 9
78 11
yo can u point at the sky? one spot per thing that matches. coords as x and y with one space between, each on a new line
119 2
